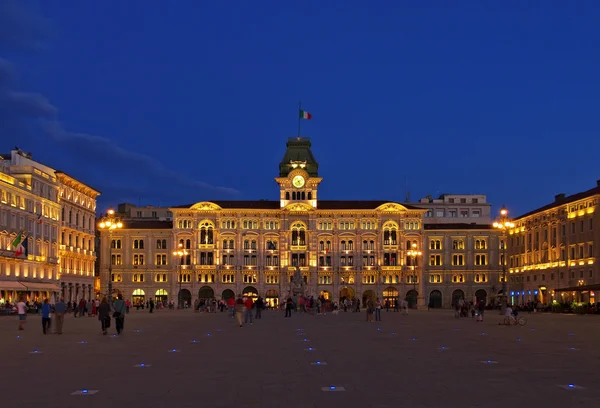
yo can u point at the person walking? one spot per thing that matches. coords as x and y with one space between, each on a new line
239 310
104 314
259 305
288 307
119 314
46 310
378 310
22 312
248 314
60 308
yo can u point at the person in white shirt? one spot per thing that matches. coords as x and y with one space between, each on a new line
22 312
508 312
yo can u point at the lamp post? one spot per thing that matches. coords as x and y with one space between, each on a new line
181 252
110 222
503 223
413 253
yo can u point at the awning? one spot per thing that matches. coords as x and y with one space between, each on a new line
41 286
11 285
582 288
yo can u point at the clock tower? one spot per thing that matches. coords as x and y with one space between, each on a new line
298 174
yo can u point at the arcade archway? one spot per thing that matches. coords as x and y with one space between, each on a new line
457 295
411 298
368 294
481 295
435 299
185 296
206 292
227 294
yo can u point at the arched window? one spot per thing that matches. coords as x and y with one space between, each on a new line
206 233
390 234
310 195
298 234
287 195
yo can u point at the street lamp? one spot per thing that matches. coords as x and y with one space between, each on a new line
181 252
413 253
503 223
110 222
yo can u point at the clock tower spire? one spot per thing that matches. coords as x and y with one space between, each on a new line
298 173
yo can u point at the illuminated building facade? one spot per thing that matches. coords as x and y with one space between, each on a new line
57 214
29 205
77 235
552 251
352 249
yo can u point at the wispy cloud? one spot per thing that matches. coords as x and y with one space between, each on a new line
23 29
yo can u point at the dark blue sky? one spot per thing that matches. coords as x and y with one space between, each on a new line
170 102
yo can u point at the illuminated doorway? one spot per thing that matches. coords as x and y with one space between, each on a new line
391 293
251 292
161 296
138 296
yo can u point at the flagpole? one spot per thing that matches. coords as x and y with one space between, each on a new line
299 119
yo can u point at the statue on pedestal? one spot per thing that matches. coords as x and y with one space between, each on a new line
297 286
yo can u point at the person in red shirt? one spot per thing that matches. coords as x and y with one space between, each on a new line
248 303
230 306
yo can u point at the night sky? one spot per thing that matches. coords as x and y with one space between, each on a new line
173 102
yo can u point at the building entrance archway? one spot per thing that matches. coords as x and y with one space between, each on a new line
271 298
251 292
392 295
161 295
138 296
346 293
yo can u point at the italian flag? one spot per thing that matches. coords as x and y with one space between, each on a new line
18 240
305 115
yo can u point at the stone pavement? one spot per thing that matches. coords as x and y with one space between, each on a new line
425 359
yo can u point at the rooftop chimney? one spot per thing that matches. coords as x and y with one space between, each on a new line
559 197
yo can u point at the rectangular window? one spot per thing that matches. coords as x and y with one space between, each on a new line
435 260
458 260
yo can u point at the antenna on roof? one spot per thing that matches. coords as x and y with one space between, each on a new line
407 193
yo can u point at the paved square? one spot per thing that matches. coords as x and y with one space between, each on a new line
425 359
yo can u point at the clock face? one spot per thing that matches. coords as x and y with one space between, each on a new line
298 181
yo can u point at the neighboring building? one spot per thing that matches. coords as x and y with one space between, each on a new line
147 212
456 208
343 248
29 205
76 251
552 251
61 257
462 261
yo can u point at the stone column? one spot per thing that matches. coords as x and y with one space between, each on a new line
421 295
